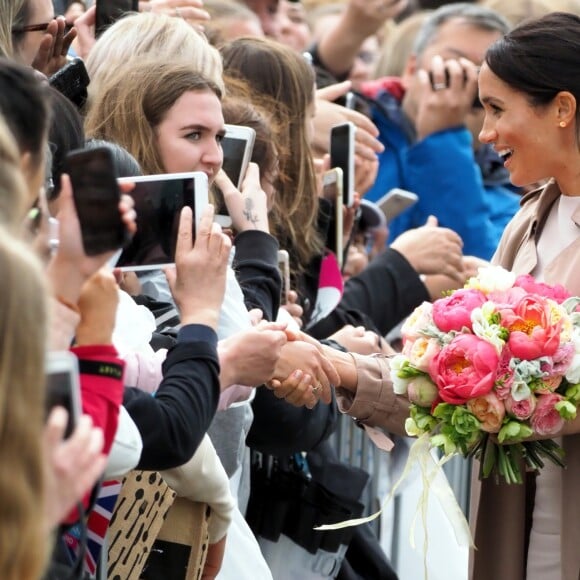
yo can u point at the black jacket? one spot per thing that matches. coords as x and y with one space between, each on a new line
173 422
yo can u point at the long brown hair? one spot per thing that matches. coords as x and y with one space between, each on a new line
23 531
277 72
132 102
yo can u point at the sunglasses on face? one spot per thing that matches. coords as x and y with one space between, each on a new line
31 27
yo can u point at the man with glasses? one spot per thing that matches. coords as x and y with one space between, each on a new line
429 122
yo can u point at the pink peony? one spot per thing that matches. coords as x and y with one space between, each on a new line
421 352
506 299
521 410
532 333
546 420
454 312
464 369
489 410
562 359
557 292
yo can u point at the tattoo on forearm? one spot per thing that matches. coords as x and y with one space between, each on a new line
249 213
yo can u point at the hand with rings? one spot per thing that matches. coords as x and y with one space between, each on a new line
297 389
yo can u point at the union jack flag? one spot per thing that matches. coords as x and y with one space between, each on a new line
97 525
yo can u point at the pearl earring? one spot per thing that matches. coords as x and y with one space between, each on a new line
562 124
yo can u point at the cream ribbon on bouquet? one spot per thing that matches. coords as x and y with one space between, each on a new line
433 480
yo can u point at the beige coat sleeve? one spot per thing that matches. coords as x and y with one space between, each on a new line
374 403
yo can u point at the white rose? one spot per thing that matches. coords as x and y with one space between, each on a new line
492 279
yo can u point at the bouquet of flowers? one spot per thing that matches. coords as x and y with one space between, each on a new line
491 366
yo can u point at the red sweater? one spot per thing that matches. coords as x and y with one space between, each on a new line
101 379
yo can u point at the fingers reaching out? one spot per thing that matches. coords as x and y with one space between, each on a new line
199 278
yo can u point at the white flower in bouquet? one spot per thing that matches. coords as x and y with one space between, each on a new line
492 279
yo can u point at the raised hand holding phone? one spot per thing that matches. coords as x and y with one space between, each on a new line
248 206
70 267
198 280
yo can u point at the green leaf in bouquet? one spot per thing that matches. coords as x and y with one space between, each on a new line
514 455
508 468
566 409
444 412
572 393
407 371
514 431
445 443
531 457
550 450
570 304
465 422
488 457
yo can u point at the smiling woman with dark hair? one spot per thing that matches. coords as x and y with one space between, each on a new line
529 85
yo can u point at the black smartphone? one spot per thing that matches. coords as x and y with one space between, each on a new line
159 200
237 145
342 156
96 194
109 11
72 81
63 386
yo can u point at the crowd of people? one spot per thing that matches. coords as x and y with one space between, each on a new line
206 372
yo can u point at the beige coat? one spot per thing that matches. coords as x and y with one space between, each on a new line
500 530
500 519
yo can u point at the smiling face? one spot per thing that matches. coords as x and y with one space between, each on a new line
528 138
189 137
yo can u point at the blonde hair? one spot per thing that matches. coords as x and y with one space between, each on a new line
518 11
571 6
134 99
23 531
12 13
398 46
13 190
148 35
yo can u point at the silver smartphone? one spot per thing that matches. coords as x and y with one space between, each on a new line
396 201
159 200
63 386
332 191
284 267
342 155
237 145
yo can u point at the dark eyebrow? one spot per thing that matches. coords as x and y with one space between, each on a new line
196 127
488 100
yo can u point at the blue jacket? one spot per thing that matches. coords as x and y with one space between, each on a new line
442 171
